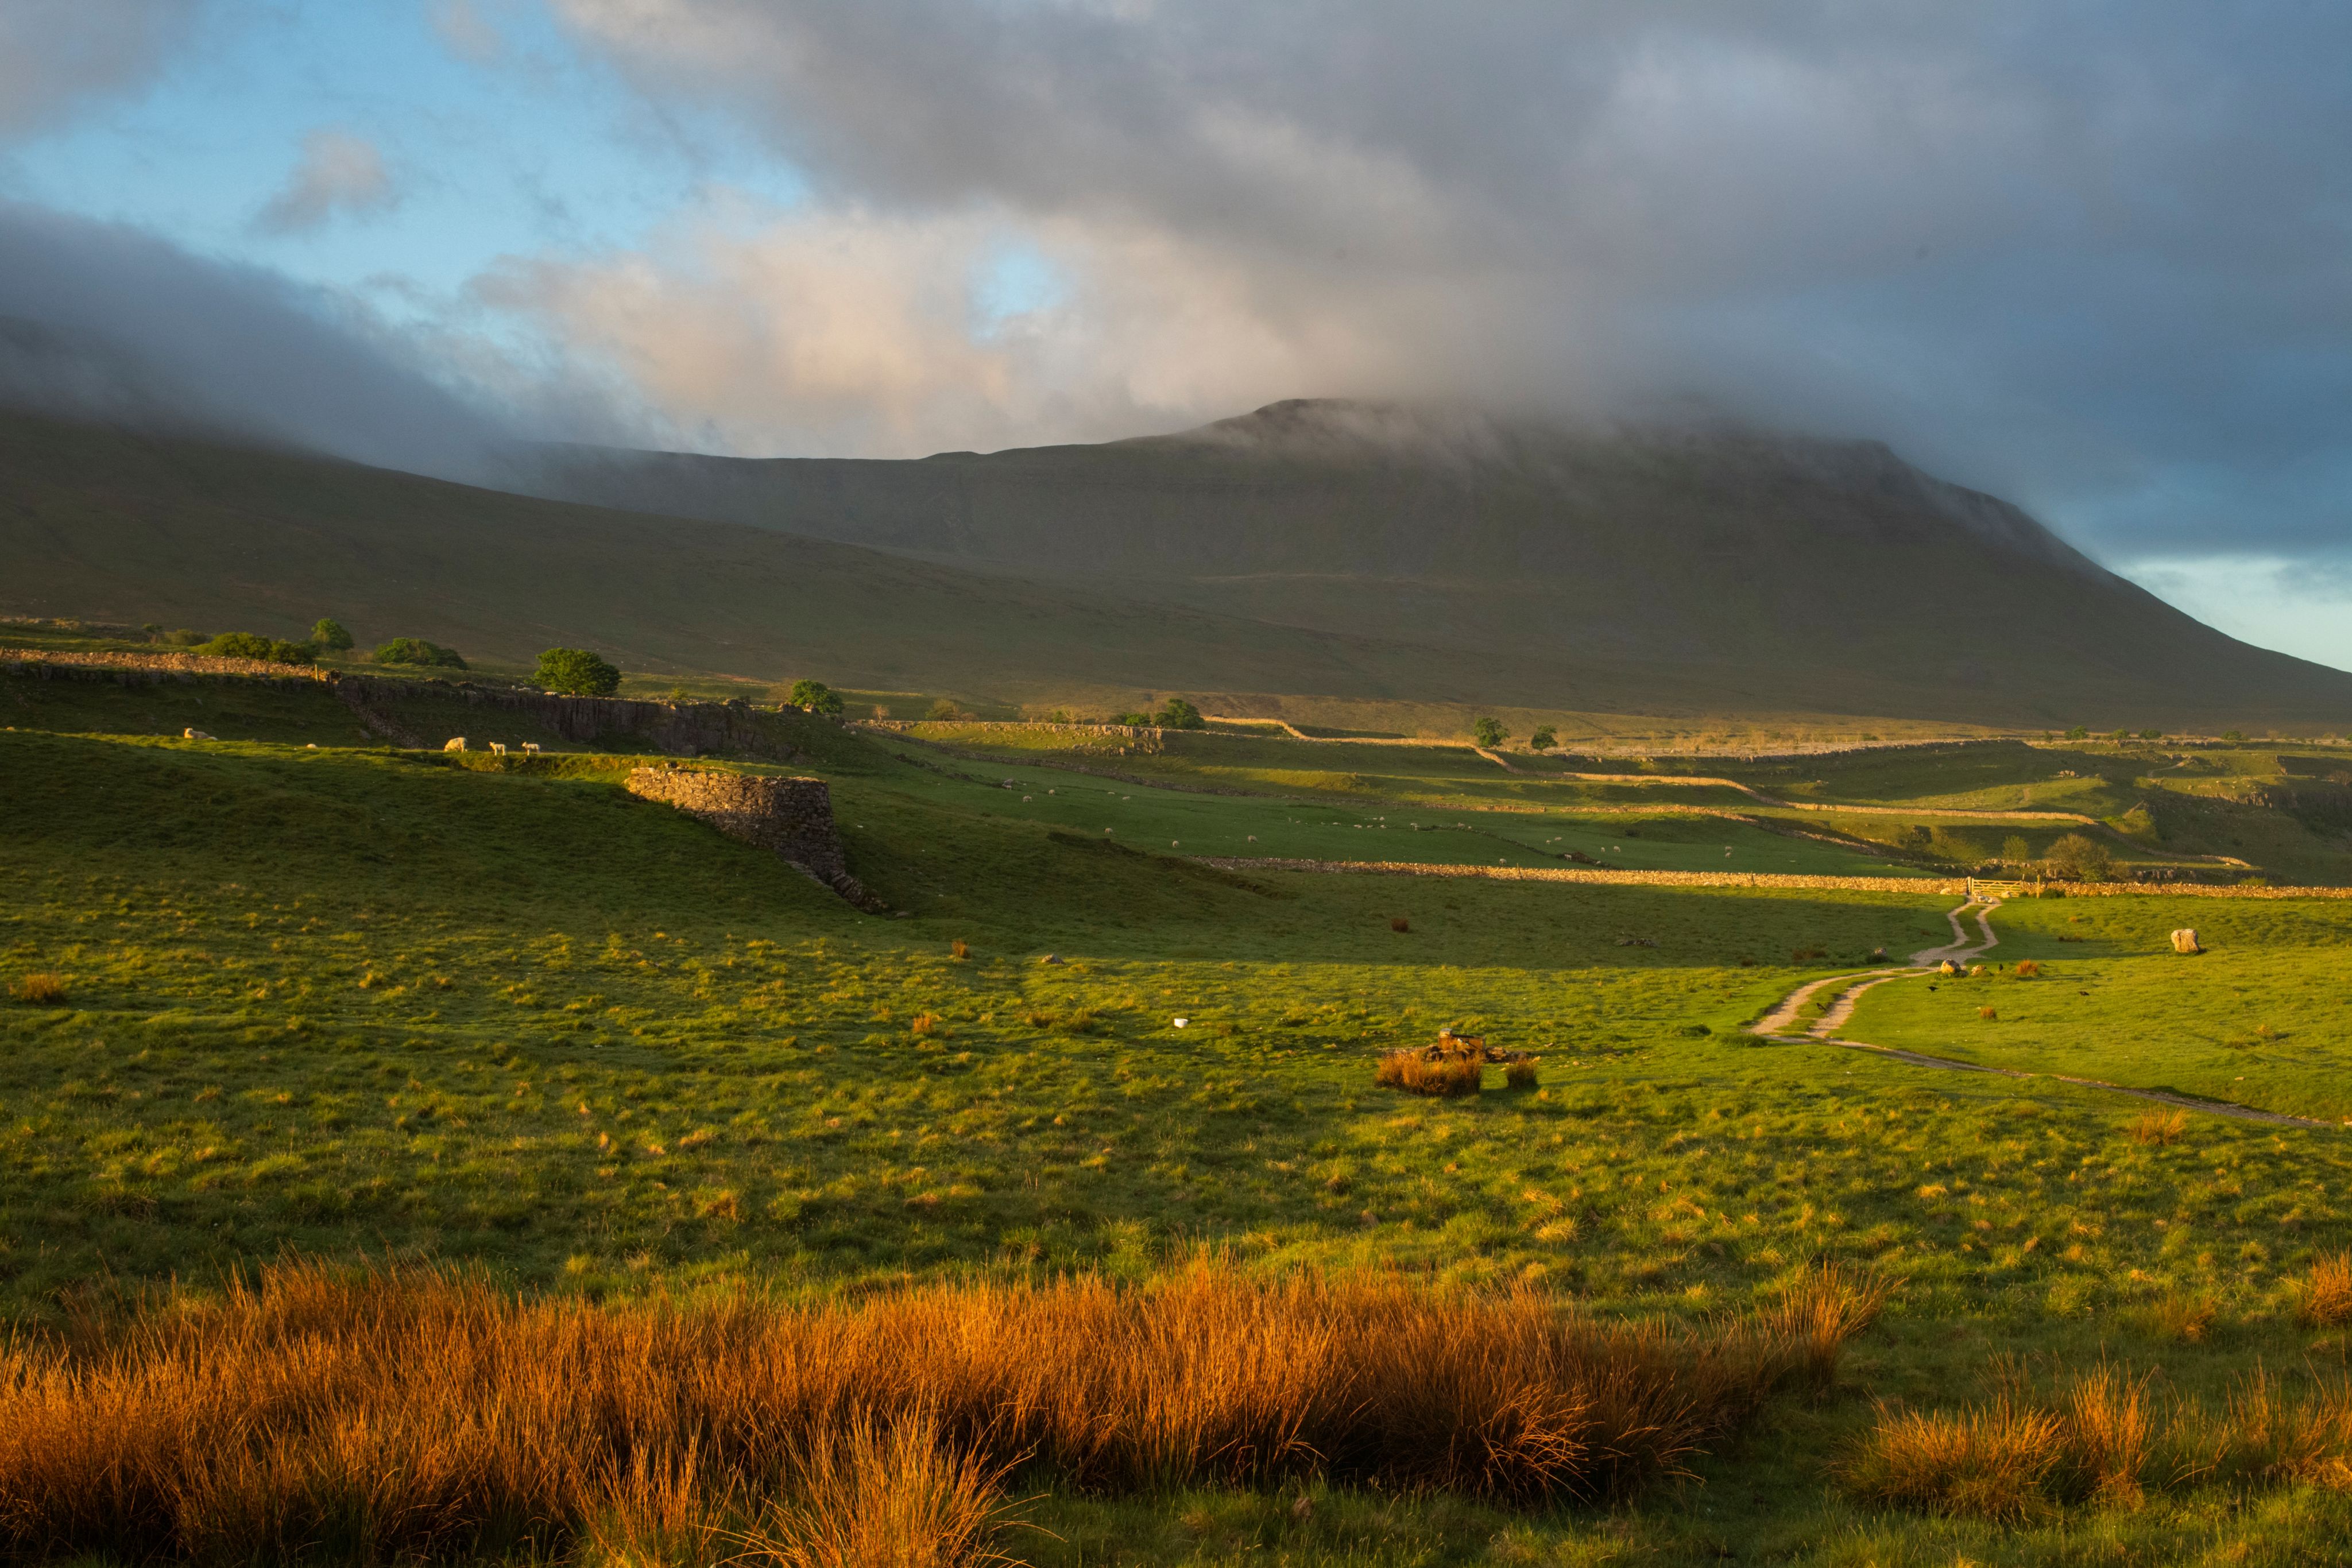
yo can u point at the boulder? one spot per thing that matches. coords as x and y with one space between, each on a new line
2185 941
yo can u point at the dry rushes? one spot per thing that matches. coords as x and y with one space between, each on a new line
2158 1127
1991 1461
2027 969
1987 1013
43 991
2326 1291
1416 1073
959 948
414 1413
927 1023
2102 1438
1520 1075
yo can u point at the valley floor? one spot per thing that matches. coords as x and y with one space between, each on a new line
354 1004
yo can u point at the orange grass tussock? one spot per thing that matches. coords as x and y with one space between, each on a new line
1416 1073
2325 1292
2102 1437
408 1412
41 990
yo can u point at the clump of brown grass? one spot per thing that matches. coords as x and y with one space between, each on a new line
1990 1462
1988 1012
410 1414
1830 1304
928 1024
1520 1075
2102 1437
878 1496
1416 1073
2324 1295
2027 969
41 990
959 948
1401 923
2181 1317
2158 1127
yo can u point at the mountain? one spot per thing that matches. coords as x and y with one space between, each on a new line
1760 571
1424 561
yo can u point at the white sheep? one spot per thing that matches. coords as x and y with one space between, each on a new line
456 743
194 735
498 748
531 748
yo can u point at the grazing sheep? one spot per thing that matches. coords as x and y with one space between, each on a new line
2185 941
498 748
194 735
456 743
531 748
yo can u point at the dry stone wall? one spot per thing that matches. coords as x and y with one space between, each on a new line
791 817
1956 886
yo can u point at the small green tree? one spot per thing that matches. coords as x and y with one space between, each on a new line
2015 850
2080 732
947 710
2151 735
1543 738
2233 735
814 696
2078 859
1178 713
418 651
1490 732
1136 720
331 633
576 672
252 646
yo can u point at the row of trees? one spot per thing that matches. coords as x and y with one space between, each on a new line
1490 733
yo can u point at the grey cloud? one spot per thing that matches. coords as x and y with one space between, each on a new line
2094 255
106 322
56 55
338 172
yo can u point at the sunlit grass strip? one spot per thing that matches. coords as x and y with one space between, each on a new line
412 1413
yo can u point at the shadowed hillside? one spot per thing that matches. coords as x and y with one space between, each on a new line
1767 570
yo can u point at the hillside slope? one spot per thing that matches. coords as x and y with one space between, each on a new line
1769 570
100 522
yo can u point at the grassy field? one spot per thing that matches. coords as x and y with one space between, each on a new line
2261 1017
355 1003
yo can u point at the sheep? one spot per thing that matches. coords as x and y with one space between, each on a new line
2185 941
194 735
456 743
531 748
498 748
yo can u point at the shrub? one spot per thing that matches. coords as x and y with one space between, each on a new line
2326 1291
1415 1073
252 646
42 990
1134 720
418 651
1178 713
815 696
331 632
1489 732
1543 738
947 710
2159 1127
576 672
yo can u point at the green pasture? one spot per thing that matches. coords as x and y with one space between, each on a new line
2262 1018
359 1002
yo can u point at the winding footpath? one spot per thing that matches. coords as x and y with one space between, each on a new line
1782 1023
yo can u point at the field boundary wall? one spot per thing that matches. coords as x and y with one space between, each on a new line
1950 886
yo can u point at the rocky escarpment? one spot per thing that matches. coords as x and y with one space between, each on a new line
791 817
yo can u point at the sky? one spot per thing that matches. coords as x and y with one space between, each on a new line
2091 256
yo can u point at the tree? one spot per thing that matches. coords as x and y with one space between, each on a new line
2079 732
1543 738
815 696
2151 735
2078 859
1178 713
1134 720
418 651
576 672
947 710
252 646
331 632
2233 735
2015 850
1490 732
